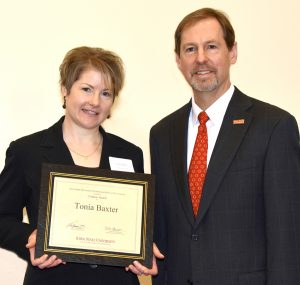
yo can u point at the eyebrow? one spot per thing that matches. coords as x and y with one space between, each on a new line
92 86
87 84
206 42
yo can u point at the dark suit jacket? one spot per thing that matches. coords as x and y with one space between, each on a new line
19 187
248 227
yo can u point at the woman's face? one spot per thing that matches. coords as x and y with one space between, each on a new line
90 100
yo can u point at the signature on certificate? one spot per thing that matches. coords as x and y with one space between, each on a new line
113 230
75 226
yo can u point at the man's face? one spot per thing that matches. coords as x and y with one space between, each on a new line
205 59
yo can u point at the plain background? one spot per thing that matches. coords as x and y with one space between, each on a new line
35 35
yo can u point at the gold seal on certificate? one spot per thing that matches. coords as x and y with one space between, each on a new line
95 216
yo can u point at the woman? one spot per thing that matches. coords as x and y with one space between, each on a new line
90 79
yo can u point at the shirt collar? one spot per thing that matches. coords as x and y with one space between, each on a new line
216 111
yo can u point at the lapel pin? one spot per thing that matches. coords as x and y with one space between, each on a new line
238 122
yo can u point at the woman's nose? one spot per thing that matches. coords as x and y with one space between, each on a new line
94 99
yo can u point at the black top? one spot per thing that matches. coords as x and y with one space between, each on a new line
20 186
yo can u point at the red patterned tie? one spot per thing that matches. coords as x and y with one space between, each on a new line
197 170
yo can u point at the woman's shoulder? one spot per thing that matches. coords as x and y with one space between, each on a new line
118 141
31 139
28 141
35 139
115 146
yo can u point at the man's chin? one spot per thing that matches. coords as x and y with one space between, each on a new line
204 86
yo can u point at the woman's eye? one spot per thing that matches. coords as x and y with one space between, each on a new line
87 89
106 93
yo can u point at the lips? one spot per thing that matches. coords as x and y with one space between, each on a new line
90 112
202 72
203 69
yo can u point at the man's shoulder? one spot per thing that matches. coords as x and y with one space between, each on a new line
180 114
257 106
266 109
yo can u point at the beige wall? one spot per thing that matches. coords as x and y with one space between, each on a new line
35 35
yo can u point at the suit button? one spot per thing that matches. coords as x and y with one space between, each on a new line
195 237
190 282
93 266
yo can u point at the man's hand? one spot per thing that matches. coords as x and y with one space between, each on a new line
139 269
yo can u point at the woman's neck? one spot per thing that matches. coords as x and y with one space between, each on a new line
85 145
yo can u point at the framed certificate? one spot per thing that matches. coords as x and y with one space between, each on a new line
95 216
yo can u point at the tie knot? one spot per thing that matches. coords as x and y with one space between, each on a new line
203 118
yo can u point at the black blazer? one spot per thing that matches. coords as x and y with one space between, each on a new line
248 226
19 188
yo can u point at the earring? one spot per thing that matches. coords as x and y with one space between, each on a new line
108 116
64 104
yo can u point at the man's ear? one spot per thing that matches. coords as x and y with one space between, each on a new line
233 54
178 60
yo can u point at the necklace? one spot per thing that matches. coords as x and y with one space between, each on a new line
88 155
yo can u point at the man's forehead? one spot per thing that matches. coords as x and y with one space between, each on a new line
208 29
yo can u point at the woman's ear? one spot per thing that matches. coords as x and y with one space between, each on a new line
64 94
63 91
64 103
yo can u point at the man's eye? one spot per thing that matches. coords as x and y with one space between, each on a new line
211 46
190 49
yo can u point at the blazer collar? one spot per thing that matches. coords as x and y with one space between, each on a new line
56 151
233 129
178 149
54 148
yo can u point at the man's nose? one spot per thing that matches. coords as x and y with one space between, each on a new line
201 56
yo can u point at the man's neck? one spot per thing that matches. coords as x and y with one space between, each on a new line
204 99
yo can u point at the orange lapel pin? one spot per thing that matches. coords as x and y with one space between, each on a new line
238 122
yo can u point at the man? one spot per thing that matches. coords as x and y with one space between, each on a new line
243 225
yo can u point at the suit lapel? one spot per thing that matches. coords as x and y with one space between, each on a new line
54 148
56 151
178 149
234 127
109 148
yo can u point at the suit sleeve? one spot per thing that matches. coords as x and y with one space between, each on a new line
13 194
282 204
160 227
139 166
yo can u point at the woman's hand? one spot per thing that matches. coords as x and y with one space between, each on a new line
44 261
139 269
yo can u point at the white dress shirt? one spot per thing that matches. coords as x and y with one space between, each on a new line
216 114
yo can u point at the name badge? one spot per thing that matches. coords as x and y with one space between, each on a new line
121 164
